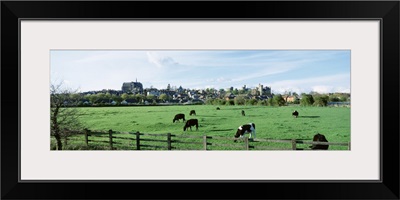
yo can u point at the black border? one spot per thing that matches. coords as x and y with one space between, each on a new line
386 11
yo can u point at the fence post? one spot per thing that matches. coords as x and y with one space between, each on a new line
205 142
349 146
87 137
137 140
110 136
246 143
294 144
169 141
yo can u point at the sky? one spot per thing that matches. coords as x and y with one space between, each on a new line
299 71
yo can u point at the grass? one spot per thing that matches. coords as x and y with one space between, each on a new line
271 123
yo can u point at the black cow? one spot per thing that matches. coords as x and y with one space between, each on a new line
295 113
319 138
218 108
192 112
243 113
178 117
246 128
190 123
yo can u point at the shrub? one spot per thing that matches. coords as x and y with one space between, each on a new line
321 100
307 100
230 102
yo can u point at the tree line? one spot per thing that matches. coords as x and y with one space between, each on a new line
313 99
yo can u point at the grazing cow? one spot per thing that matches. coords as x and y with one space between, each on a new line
178 117
190 123
319 138
218 108
192 112
295 113
246 128
243 113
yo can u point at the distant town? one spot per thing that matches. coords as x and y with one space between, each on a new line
133 93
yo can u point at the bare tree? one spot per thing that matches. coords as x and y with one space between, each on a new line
64 116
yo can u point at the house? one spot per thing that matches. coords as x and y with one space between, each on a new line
290 98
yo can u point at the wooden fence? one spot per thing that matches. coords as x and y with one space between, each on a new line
169 141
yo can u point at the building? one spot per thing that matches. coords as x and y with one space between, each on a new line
132 87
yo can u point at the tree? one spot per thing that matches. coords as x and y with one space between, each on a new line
252 102
278 100
139 97
270 102
235 91
163 97
230 102
63 119
239 100
116 98
306 100
150 97
334 98
262 103
321 100
222 93
125 96
93 98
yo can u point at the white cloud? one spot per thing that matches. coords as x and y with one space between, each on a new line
332 83
322 88
159 60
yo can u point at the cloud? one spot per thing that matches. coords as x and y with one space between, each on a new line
322 88
332 83
219 80
159 60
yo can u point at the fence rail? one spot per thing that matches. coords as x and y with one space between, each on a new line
169 141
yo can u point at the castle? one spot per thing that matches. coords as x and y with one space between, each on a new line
132 87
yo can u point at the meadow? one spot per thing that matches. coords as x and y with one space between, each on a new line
271 122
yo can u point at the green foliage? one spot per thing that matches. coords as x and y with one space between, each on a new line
239 100
306 100
251 102
334 98
321 100
125 96
262 103
150 97
163 97
116 98
230 102
219 102
278 100
270 102
209 101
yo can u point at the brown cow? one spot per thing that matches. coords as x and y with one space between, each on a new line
178 117
190 123
319 138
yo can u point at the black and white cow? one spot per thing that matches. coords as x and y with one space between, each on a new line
178 117
243 114
192 112
295 113
246 128
190 123
319 138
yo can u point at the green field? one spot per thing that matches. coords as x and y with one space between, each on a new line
271 122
